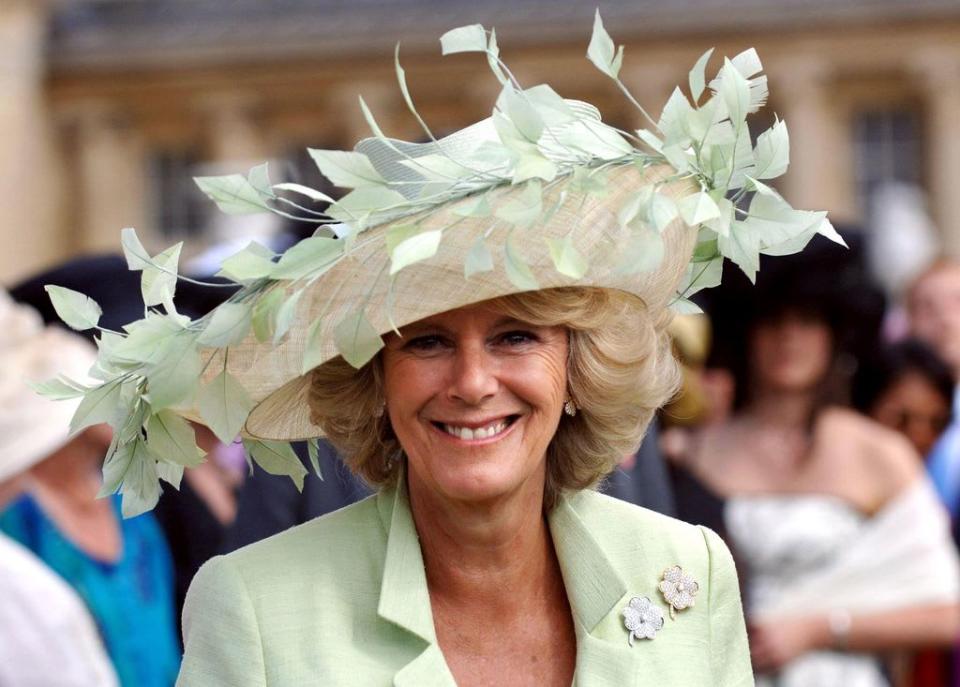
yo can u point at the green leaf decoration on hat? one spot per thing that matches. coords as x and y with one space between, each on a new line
277 458
172 439
536 159
224 405
77 310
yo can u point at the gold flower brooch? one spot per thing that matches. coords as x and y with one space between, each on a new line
679 589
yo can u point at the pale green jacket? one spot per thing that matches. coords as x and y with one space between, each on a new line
343 600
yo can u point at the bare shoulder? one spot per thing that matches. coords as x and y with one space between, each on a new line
867 447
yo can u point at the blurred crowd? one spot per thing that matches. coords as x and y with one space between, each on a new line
815 431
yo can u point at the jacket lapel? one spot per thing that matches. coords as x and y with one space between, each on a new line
594 586
597 593
404 598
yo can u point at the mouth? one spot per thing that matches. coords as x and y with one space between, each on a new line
491 430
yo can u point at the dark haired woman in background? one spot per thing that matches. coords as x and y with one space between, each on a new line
817 499
907 387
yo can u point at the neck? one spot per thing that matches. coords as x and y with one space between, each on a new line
474 552
782 409
70 473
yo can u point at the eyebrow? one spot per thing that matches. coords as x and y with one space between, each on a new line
416 328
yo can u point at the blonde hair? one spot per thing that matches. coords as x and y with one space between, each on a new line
620 369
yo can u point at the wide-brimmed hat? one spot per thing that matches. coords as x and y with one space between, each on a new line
541 194
32 426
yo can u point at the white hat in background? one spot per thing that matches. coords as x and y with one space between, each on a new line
33 427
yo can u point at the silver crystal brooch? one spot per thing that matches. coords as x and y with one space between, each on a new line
642 618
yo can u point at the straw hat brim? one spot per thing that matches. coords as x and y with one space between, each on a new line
273 374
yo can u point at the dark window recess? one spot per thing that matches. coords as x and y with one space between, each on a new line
180 210
888 147
298 167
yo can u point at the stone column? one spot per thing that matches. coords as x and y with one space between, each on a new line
111 176
940 77
31 192
821 172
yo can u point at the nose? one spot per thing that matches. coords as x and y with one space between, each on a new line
473 375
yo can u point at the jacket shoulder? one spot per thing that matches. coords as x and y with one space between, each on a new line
619 525
346 539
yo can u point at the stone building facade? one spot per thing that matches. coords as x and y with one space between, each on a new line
109 106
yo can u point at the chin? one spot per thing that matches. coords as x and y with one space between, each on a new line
475 479
478 483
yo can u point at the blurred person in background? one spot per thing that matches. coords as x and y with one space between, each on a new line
47 636
267 505
195 516
908 388
120 568
705 399
933 307
842 544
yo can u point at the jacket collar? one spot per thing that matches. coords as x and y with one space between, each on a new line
594 589
404 598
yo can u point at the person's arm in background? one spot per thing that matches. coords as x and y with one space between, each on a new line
774 644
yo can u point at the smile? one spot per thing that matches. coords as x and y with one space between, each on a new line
488 431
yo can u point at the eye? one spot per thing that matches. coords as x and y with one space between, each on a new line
517 337
426 343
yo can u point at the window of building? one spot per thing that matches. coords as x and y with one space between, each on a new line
887 148
179 208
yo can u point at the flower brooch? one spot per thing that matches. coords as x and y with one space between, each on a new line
643 619
678 589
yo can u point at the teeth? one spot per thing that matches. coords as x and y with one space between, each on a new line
468 434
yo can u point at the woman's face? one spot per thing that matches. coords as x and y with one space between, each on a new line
791 353
913 407
475 398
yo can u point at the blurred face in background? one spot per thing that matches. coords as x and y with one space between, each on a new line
934 307
913 406
790 352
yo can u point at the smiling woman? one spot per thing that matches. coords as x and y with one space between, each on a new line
616 370
479 326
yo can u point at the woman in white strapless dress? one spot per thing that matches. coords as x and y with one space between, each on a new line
844 550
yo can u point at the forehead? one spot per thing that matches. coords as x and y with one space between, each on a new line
943 281
478 315
913 386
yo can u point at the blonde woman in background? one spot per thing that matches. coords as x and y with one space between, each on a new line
120 569
47 637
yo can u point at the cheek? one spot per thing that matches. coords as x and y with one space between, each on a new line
551 379
821 353
886 412
407 382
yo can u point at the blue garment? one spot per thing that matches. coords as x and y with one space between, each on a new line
131 600
943 463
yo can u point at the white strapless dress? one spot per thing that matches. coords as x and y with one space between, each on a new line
783 540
